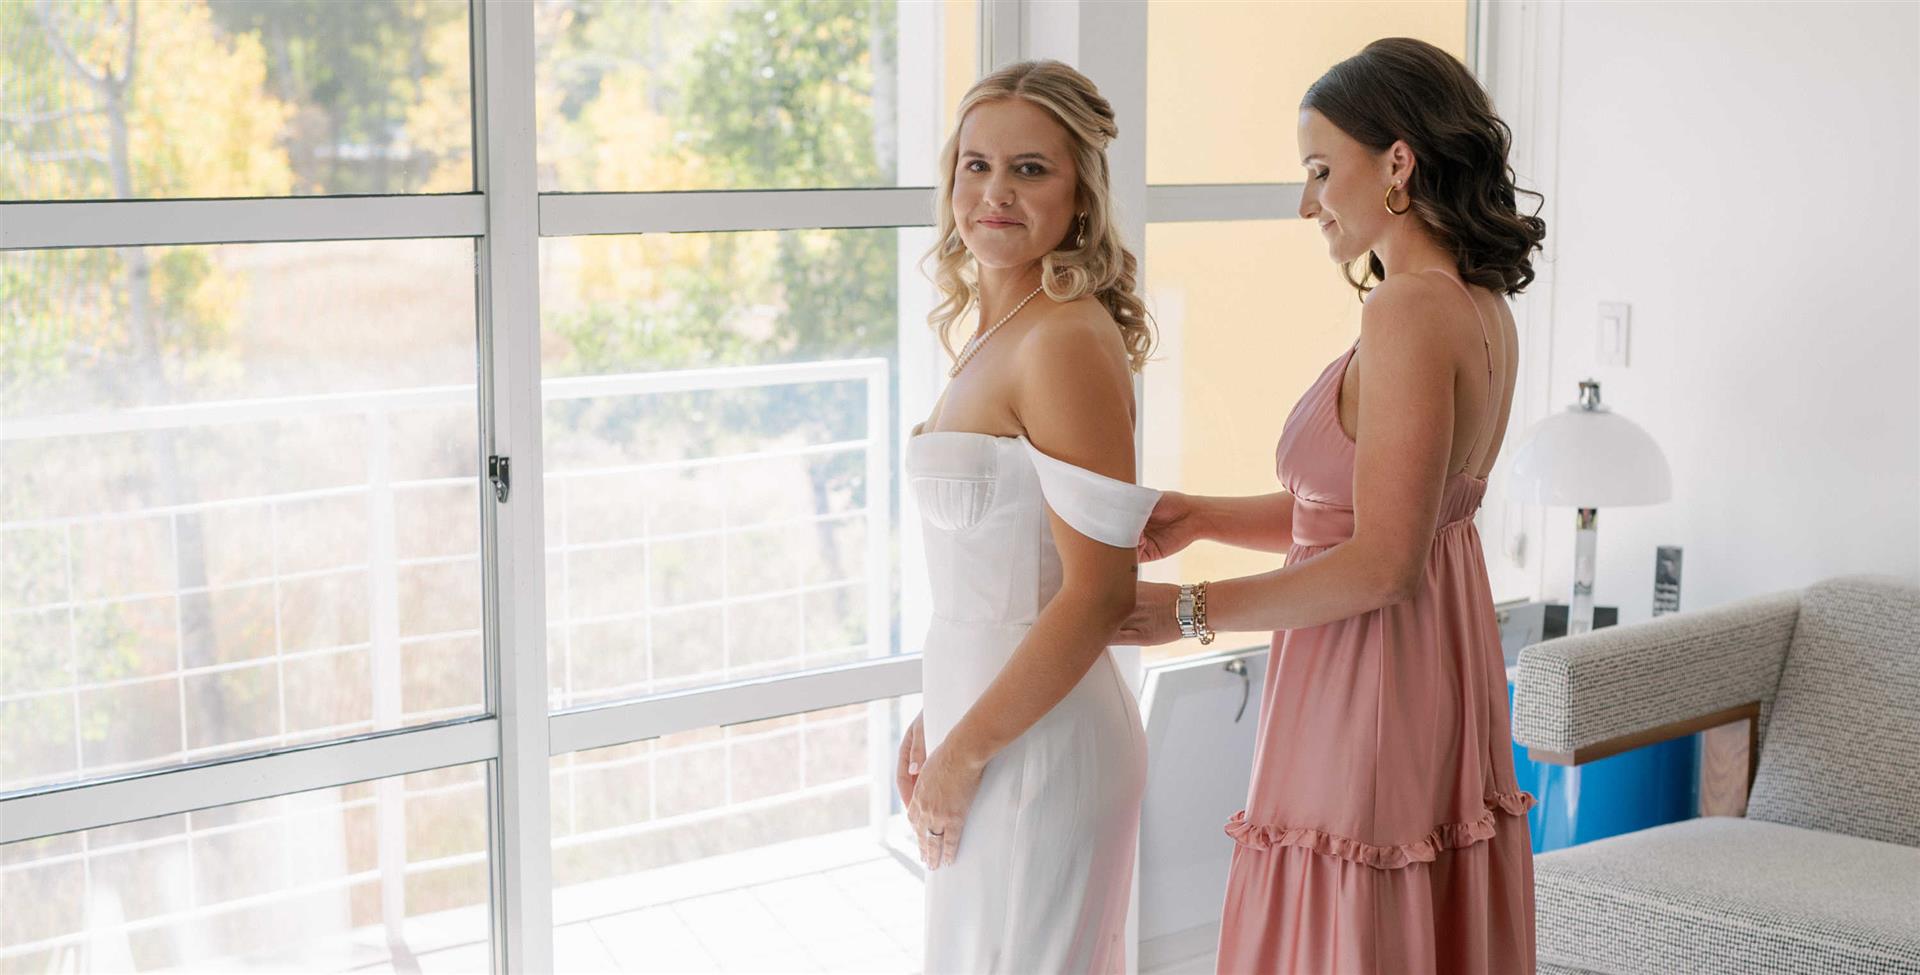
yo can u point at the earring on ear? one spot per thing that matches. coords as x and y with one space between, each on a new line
1080 239
1390 188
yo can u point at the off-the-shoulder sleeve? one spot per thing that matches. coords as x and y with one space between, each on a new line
1095 505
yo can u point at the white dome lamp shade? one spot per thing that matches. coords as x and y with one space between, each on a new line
1587 458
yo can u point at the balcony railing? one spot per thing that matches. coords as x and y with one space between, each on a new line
733 580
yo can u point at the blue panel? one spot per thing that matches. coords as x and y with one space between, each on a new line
1630 791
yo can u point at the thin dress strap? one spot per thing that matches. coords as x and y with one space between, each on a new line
1486 346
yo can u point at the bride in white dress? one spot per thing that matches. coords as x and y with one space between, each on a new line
1023 776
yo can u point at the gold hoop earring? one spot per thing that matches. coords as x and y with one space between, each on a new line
1390 209
1080 239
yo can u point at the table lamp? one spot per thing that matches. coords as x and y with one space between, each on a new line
1587 457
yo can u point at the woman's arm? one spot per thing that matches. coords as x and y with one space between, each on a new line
1081 415
1262 522
1405 438
1074 400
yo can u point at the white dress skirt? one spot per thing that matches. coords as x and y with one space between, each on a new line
1044 871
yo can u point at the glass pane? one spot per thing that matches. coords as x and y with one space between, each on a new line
370 876
689 94
113 99
1233 362
718 420
240 508
773 846
1229 117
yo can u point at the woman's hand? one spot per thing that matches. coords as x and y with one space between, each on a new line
913 754
1170 528
1152 621
941 797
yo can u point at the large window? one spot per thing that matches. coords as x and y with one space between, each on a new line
237 516
452 517
722 405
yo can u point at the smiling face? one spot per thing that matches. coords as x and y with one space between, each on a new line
1014 183
1346 186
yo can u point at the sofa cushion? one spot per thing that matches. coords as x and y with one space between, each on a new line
1730 895
1844 737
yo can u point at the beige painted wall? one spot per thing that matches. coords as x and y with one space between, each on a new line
960 32
1224 77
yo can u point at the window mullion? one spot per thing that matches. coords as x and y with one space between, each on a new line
250 778
144 223
520 832
1220 202
723 211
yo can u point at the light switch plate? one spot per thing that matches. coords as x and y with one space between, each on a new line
1614 334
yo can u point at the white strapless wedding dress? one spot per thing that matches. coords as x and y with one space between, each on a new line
1044 871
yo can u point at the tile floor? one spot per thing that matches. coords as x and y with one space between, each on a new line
839 903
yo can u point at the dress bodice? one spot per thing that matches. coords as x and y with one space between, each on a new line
984 502
1315 460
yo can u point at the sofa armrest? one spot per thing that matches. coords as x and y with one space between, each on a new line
1584 697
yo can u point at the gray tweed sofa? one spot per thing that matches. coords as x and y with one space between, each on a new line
1822 874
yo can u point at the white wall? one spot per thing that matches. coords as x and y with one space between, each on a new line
1744 175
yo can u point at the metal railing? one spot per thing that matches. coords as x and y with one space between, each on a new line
382 496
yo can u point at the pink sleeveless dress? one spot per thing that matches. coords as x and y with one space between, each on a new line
1384 830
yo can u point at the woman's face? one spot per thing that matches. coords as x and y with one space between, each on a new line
1346 187
1013 183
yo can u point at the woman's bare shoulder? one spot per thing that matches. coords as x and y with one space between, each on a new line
1419 313
1081 332
1074 396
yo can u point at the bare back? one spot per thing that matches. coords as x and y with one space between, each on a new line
1486 362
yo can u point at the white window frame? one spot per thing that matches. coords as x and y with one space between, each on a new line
506 216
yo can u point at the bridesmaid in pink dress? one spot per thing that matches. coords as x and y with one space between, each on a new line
1384 830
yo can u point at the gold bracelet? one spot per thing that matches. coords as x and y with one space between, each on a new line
1200 614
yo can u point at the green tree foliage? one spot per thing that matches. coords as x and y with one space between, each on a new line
357 72
118 100
763 94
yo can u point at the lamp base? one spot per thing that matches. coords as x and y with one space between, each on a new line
1585 540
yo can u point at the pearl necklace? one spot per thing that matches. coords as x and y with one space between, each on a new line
973 344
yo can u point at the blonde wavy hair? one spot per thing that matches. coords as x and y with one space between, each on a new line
1102 267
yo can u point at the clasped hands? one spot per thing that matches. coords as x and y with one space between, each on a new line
938 789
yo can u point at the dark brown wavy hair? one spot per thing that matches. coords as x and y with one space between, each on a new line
1399 88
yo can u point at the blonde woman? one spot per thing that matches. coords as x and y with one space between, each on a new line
1023 776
